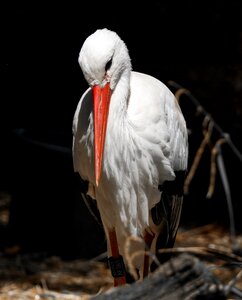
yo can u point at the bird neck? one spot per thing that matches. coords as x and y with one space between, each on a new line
120 97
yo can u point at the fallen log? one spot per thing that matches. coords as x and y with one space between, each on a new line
182 277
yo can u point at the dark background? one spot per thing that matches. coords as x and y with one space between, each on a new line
196 44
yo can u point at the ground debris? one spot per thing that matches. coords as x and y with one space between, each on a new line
34 276
51 278
182 277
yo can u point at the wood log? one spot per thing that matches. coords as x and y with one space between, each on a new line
182 277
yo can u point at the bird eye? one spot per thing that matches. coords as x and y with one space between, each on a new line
108 65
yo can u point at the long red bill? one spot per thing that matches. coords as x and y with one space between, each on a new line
101 98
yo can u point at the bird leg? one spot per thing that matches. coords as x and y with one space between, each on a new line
116 260
148 238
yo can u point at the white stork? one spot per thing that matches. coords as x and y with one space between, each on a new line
130 144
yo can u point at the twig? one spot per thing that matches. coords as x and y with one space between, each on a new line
216 157
224 178
223 134
130 258
208 252
207 135
213 172
232 283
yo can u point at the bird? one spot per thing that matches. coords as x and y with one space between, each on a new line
130 145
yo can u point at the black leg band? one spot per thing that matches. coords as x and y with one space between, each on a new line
117 267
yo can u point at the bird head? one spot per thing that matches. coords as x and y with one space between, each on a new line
103 59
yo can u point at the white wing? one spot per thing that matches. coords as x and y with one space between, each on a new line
155 113
82 128
157 117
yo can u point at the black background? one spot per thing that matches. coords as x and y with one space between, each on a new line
195 43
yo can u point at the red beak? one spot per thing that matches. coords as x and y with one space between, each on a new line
101 99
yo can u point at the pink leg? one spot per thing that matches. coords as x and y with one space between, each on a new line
116 261
148 238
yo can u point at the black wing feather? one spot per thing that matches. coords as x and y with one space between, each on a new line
168 211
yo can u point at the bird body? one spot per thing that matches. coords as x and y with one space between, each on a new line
145 140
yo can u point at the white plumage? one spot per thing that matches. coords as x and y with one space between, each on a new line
145 140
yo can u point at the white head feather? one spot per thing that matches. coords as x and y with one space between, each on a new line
98 49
